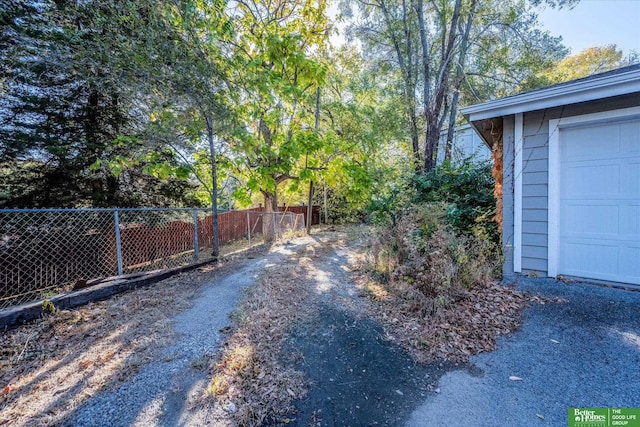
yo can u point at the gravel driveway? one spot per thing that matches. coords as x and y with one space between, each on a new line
163 394
582 353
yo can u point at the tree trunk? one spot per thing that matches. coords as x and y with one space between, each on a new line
310 208
214 188
464 46
431 142
408 77
434 106
270 220
310 205
415 138
326 211
451 129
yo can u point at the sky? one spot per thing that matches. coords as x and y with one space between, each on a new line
596 23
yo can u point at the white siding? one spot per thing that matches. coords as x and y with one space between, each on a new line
466 143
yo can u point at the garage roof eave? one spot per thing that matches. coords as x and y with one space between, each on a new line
614 83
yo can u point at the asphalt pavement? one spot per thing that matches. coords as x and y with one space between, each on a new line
581 353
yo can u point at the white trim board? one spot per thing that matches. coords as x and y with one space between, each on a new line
582 90
517 192
555 128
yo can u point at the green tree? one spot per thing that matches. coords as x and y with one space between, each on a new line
277 77
363 127
445 50
74 107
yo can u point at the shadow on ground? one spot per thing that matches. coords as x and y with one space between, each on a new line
583 353
358 378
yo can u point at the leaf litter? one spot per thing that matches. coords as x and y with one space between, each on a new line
468 325
52 365
49 367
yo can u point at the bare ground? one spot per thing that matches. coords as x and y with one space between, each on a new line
314 342
51 366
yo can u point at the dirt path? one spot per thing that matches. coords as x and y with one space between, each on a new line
355 375
166 391
139 358
359 378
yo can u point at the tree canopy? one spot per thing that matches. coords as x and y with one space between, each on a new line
158 103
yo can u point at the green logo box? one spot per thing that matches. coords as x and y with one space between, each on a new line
604 417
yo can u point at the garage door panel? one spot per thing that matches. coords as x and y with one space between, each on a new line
590 179
630 222
630 264
600 201
591 138
630 178
590 258
629 137
591 220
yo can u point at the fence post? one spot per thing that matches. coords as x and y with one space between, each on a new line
249 228
275 225
196 245
116 220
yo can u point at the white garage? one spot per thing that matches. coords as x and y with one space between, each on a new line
594 218
570 177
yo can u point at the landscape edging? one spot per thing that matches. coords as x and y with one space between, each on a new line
23 313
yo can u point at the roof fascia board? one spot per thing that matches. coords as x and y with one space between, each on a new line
583 91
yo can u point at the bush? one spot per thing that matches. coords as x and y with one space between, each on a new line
466 188
421 250
436 236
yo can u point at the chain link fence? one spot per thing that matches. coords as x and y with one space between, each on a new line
272 226
44 252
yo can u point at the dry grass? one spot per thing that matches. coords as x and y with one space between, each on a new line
51 366
251 383
252 380
468 323
434 290
248 379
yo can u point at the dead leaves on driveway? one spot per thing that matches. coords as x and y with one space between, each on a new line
468 326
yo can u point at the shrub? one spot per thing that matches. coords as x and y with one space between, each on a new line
466 188
421 250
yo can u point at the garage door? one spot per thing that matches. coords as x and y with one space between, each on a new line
599 226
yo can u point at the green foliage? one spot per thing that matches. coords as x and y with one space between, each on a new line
435 235
466 189
363 130
508 52
590 61
276 75
49 307
77 85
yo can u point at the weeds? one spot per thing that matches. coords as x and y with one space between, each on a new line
422 251
434 288
249 381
